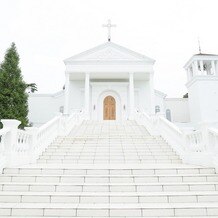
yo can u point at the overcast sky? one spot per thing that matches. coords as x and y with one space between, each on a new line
48 31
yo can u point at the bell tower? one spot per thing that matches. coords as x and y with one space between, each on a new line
202 84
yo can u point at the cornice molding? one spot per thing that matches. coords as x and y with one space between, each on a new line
195 79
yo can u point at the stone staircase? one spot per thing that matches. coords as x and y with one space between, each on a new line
109 169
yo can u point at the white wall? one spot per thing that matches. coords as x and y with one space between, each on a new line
43 107
179 109
160 101
76 89
203 95
142 95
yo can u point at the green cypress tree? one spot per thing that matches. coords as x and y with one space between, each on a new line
13 96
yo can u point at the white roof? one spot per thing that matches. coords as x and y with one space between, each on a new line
201 56
109 52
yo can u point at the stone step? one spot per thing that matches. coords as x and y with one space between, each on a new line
102 217
114 136
109 210
123 169
111 157
109 178
118 198
109 187
112 150
107 157
85 152
144 151
114 145
124 140
109 169
106 161
78 153
116 148
103 157
111 137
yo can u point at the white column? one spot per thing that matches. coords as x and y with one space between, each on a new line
216 67
202 67
131 95
193 69
152 94
87 90
189 74
196 68
66 93
213 67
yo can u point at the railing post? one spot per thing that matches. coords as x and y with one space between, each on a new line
156 128
204 129
11 138
33 143
62 125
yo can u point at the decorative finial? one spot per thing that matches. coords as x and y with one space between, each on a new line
199 46
109 25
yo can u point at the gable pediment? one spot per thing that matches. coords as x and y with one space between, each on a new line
109 52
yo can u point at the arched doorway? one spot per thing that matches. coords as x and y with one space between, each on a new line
109 110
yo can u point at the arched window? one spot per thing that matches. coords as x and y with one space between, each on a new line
157 109
168 114
61 109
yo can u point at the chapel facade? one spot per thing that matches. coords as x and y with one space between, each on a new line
111 82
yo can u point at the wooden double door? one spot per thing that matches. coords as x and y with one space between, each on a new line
109 108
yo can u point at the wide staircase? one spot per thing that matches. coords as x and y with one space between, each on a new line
109 169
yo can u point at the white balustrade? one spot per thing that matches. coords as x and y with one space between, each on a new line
195 141
3 146
171 133
213 140
24 146
192 147
144 119
23 141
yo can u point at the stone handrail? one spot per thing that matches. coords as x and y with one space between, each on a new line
145 120
195 141
197 147
4 136
213 140
24 146
74 119
213 144
171 133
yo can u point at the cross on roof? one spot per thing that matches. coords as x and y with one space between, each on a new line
109 25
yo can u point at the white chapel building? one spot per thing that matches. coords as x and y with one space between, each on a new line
110 82
140 165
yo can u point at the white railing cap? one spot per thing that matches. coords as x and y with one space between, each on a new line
171 125
10 123
213 130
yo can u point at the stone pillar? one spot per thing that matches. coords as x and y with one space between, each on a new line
66 94
193 69
10 139
87 93
216 67
196 68
202 67
131 95
189 74
213 68
152 94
